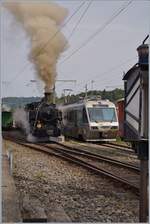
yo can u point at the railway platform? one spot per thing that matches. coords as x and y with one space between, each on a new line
10 203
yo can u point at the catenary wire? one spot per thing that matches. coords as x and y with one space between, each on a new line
79 21
110 70
82 83
117 13
82 17
122 8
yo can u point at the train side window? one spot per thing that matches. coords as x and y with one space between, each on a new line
84 115
79 117
68 116
75 117
71 116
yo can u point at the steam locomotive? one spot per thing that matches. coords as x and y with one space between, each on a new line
44 118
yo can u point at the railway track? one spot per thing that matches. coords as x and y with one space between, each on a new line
82 152
120 148
128 174
117 154
120 145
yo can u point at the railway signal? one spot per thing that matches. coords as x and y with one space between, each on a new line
136 118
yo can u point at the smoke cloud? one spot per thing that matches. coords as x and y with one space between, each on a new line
21 121
42 22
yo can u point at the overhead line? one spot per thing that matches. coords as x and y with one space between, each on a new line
81 17
111 69
61 28
105 72
79 21
99 30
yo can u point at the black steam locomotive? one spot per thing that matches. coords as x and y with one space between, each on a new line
44 118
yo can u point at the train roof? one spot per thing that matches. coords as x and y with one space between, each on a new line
120 100
90 103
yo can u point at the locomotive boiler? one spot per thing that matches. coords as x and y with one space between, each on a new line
44 118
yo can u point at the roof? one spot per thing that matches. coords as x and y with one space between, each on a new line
134 68
122 99
89 103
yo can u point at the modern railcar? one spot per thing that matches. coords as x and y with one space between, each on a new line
90 120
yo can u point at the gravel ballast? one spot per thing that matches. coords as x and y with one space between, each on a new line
54 184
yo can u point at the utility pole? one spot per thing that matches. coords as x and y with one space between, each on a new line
65 99
86 91
66 80
92 82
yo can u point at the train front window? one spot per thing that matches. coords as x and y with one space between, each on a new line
102 114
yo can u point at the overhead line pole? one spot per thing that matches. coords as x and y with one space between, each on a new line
65 80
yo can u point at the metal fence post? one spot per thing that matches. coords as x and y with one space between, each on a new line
10 158
143 191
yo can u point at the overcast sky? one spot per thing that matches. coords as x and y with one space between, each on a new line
103 59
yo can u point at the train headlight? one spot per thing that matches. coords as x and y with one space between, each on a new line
39 125
94 127
114 127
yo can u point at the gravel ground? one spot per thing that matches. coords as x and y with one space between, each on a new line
85 197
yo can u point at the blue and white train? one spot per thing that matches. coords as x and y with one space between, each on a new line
90 120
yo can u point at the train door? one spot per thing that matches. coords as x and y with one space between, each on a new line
85 125
71 126
79 122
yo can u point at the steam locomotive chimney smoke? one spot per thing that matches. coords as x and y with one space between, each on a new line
42 22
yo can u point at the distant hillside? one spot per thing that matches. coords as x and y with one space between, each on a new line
112 95
14 102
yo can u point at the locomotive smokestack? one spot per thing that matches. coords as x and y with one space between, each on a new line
49 97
